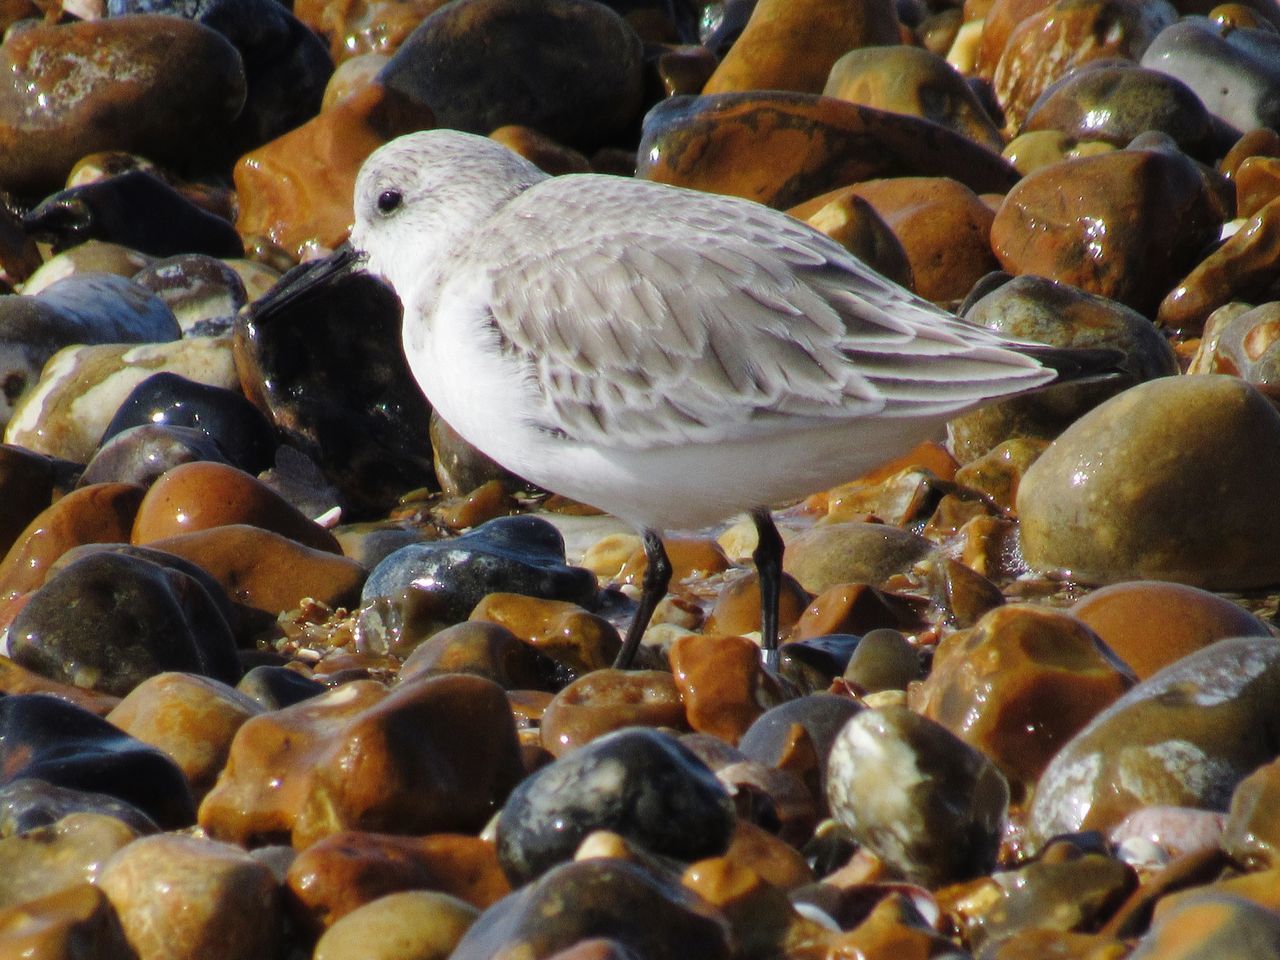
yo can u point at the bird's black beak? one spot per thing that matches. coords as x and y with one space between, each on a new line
305 281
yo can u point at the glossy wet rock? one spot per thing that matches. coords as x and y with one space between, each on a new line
19 255
482 648
790 45
914 81
1042 310
140 455
81 387
926 802
1137 220
203 495
606 700
1212 925
1203 447
570 70
27 804
1115 103
655 918
240 430
344 872
1151 624
836 553
162 87
1019 685
413 925
1249 835
521 554
296 189
737 606
274 687
573 639
107 210
1184 737
57 926
183 897
368 433
51 740
1047 44
853 223
45 860
638 783
92 256
460 467
1257 184
439 754
1234 72
75 628
883 660
784 148
200 290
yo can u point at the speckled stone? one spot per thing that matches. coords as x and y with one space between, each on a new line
342 873
638 783
926 802
58 926
605 700
1150 624
183 898
838 553
1184 737
656 918
441 752
412 925
1200 448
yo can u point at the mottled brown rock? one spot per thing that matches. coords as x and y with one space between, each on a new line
539 149
737 606
167 88
854 224
783 148
19 255
26 488
1149 624
412 925
355 29
46 860
855 608
1028 152
762 917
203 495
482 648
1203 449
58 926
1019 685
1257 184
1243 268
691 557
342 873
685 70
1262 142
436 755
998 22
189 718
999 471
1124 225
606 700
914 81
721 683
98 513
268 571
577 640
16 679
296 190
180 897
1251 835
791 44
1212 926
1049 43
836 553
893 928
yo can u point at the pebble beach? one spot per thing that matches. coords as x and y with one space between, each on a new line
290 671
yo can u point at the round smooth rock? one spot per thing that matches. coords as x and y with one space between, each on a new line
1204 449
45 860
1250 835
638 783
49 739
29 803
159 86
606 700
238 427
798 735
655 918
51 926
883 660
413 925
107 622
830 554
569 68
485 649
926 802
1184 737
202 291
1243 342
276 687
140 455
1212 926
522 554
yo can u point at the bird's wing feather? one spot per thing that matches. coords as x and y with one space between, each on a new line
649 320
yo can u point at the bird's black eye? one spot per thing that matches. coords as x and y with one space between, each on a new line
389 200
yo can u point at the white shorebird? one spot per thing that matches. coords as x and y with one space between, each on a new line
669 356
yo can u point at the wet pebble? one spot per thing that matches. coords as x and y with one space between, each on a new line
413 925
140 455
483 648
831 554
1249 835
883 659
29 803
606 700
638 783
573 639
926 802
275 687
854 223
202 291
721 683
55 926
1212 926
49 859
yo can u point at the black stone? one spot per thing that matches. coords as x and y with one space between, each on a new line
821 715
30 803
277 687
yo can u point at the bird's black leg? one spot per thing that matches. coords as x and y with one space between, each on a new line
657 574
768 558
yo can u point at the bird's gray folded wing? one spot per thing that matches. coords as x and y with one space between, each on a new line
649 324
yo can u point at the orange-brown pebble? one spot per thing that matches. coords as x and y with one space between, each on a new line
854 608
538 148
15 679
98 513
762 917
853 223
1018 685
737 606
772 859
721 682
296 190
340 873
894 930
1257 184
999 20
358 28
485 502
438 754
189 718
574 638
791 44
998 472
1210 925
1151 623
203 495
59 926
690 557
478 647
605 700
1263 142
